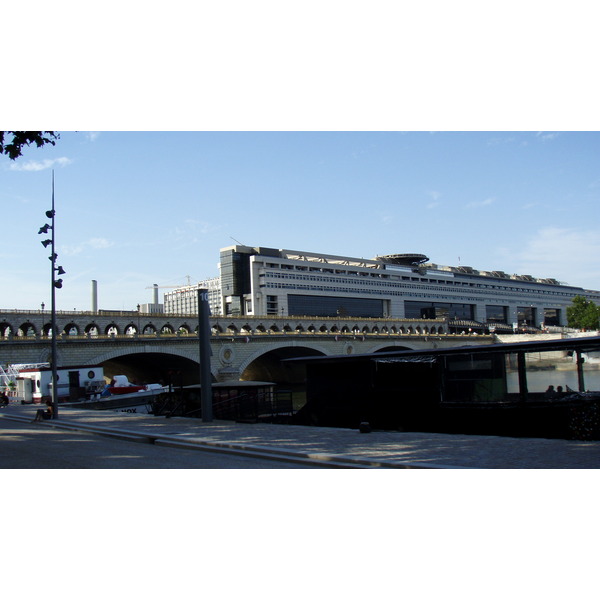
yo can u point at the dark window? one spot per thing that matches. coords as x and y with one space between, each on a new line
496 314
552 316
327 306
437 310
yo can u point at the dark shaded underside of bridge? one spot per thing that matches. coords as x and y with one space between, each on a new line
166 368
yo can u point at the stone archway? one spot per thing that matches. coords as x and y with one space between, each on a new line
289 377
92 330
26 329
131 329
71 329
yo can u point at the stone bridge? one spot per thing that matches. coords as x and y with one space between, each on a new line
153 347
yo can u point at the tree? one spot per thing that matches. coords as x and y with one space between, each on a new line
14 147
583 314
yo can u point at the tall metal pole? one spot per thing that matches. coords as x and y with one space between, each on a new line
53 317
205 353
54 283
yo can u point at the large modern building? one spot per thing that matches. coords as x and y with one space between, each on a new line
266 281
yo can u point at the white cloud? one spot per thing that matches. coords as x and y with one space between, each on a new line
435 196
93 243
498 141
202 227
92 136
545 137
480 203
97 243
565 254
37 165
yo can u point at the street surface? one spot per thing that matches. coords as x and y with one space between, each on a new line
35 446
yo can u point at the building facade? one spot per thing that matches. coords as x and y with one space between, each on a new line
184 300
266 281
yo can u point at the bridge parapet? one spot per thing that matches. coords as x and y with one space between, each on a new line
22 323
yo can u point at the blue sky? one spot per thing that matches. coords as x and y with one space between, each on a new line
137 208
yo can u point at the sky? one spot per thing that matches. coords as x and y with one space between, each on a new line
141 207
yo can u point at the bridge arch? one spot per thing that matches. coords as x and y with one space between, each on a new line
71 329
391 346
92 330
26 329
164 365
148 329
267 364
112 329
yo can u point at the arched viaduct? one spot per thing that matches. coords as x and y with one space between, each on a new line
165 347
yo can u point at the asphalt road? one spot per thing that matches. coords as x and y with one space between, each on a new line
35 446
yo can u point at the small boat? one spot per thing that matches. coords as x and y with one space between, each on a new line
124 396
120 385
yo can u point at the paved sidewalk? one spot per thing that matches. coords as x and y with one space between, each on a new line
331 446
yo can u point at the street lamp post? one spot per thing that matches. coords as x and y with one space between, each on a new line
54 284
42 321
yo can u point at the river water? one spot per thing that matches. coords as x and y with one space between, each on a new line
538 381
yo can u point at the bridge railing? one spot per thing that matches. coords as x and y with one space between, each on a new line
238 335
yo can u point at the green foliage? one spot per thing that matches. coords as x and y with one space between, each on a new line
583 314
13 147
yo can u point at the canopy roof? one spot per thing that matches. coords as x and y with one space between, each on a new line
580 344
